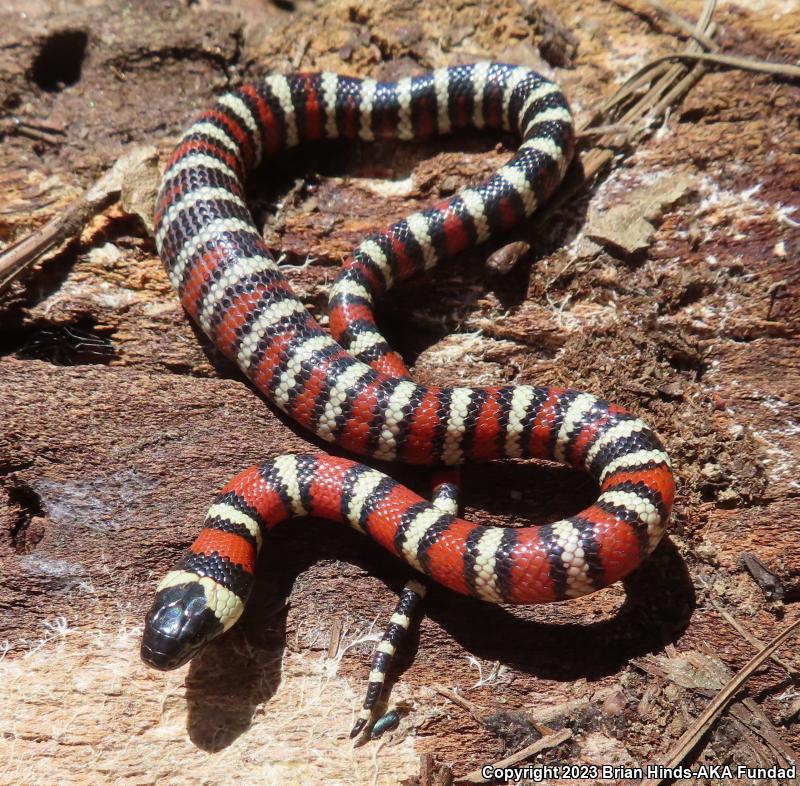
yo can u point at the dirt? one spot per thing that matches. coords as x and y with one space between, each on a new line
119 420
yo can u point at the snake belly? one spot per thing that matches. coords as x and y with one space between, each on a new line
354 391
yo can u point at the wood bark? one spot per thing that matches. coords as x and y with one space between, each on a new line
118 421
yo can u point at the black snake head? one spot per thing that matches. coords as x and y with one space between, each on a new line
179 624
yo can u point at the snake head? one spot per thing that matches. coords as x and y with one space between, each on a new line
179 624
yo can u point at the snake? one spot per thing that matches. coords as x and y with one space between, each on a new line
348 387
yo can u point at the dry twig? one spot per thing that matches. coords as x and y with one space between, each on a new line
695 733
543 744
19 256
471 708
750 716
757 643
39 132
791 670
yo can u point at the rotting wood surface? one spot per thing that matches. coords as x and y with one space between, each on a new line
118 422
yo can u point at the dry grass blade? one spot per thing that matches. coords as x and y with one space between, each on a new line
734 61
663 84
687 27
694 733
665 81
664 75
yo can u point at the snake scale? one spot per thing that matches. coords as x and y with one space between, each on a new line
349 388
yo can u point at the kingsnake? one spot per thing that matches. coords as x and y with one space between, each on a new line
352 390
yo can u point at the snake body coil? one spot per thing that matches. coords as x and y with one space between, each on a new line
352 390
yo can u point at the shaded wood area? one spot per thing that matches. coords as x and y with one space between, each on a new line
669 286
